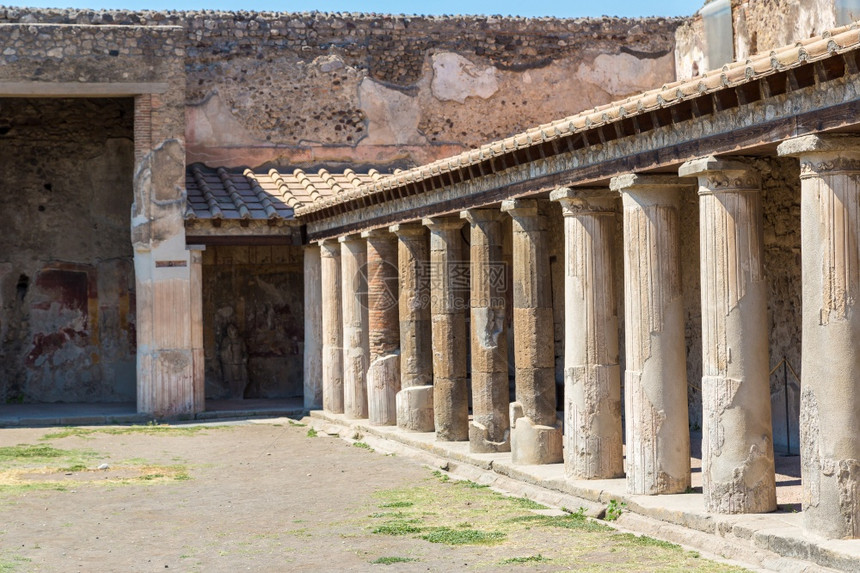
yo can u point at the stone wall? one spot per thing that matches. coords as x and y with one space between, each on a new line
67 292
759 27
258 289
388 91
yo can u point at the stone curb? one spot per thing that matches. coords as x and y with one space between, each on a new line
773 542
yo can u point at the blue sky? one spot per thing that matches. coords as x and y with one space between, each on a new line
570 9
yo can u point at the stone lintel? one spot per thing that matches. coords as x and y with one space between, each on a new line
402 229
825 143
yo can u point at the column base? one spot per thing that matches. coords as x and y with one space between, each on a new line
415 409
480 444
533 444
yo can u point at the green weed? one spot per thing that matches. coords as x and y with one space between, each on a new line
450 536
391 560
531 559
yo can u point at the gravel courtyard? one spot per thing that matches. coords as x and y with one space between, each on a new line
276 496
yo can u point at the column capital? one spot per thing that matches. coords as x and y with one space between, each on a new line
823 153
349 238
381 233
408 229
448 223
329 247
581 201
480 215
520 207
718 175
645 190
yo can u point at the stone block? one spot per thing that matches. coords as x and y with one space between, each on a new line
533 336
415 409
531 443
481 442
383 383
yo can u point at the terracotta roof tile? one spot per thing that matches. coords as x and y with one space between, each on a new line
222 193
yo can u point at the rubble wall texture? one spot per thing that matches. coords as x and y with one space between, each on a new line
260 290
67 288
396 91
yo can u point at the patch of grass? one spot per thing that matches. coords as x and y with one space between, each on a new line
362 445
12 562
398 504
527 503
294 423
392 560
450 536
75 468
645 541
577 521
312 433
442 477
30 452
398 527
531 559
473 485
147 429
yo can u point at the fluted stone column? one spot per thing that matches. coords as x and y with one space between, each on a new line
592 377
448 318
737 438
332 326
830 397
415 399
196 307
489 430
383 373
356 344
313 390
536 434
655 379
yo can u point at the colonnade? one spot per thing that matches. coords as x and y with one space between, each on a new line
394 333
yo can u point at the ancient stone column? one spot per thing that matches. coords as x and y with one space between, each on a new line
383 373
415 399
830 397
592 379
332 326
489 430
197 352
737 438
536 434
448 286
655 379
356 345
313 389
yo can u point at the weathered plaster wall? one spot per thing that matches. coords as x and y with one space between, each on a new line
67 295
390 91
258 289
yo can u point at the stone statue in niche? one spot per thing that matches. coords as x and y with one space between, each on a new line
234 362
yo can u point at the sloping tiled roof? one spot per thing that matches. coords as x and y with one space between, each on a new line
221 193
546 140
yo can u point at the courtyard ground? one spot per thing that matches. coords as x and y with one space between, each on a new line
277 496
